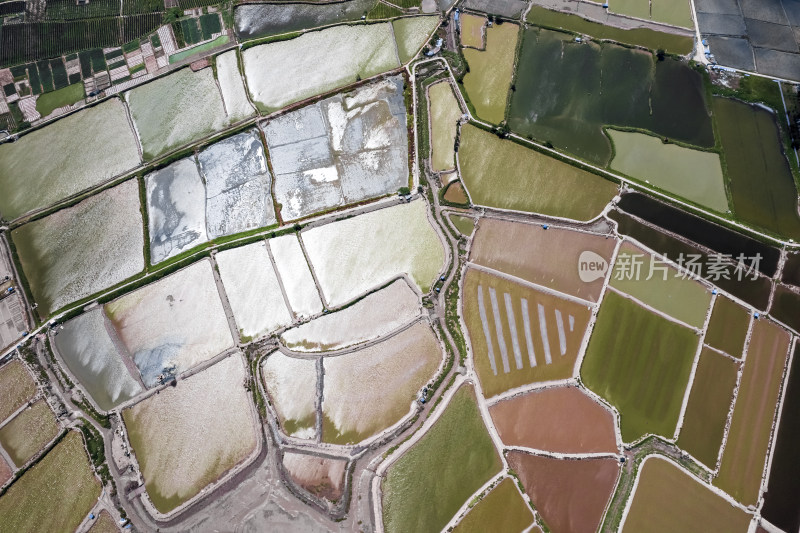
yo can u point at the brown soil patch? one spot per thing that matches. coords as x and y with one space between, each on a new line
455 194
321 476
562 419
570 494
546 342
546 257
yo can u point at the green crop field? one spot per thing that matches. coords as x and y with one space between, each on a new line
762 186
49 102
654 40
692 174
640 362
727 328
708 407
490 72
432 480
55 495
667 500
684 299
501 173
503 509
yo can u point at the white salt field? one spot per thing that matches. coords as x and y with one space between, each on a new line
89 352
253 290
237 185
284 72
83 249
176 204
341 150
173 324
188 436
48 165
371 389
231 85
292 387
298 283
359 254
375 315
176 109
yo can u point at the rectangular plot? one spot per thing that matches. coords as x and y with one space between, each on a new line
639 362
748 439
295 274
512 325
498 325
487 333
727 328
529 252
528 339
682 298
708 407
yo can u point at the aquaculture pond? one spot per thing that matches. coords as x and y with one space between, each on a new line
254 21
562 95
762 185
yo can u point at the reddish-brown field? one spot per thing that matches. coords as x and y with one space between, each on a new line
321 476
546 257
748 439
570 494
522 335
562 419
455 194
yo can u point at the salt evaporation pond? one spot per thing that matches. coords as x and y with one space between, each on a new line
89 352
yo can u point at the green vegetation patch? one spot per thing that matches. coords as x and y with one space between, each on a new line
180 56
209 25
727 328
761 182
708 407
562 95
16 387
503 509
28 432
668 499
490 72
433 479
56 494
665 290
654 40
49 102
501 173
692 174
466 225
640 362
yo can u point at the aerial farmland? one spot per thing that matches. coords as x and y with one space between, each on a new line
387 266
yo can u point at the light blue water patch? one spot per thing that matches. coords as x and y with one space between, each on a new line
158 361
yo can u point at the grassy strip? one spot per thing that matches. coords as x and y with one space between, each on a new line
271 39
644 37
